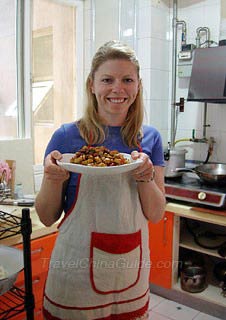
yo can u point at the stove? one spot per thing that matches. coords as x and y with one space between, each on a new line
189 188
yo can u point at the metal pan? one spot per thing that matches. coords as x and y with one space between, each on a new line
209 173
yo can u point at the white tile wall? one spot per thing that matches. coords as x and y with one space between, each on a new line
154 52
159 54
210 11
198 13
152 46
106 21
157 109
146 80
144 24
159 85
144 52
160 23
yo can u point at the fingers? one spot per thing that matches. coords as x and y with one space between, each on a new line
52 170
135 155
145 172
56 155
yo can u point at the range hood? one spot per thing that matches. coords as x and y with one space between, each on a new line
208 76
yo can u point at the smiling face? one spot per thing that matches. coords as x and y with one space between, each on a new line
115 86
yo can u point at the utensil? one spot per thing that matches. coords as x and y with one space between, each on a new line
193 279
11 260
210 173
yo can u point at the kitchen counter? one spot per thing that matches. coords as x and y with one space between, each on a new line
203 214
39 230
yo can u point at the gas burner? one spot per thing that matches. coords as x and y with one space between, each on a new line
189 188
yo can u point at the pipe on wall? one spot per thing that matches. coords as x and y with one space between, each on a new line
174 64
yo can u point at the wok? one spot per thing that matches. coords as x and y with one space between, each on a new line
210 173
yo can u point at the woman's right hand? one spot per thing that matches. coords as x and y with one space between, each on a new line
52 171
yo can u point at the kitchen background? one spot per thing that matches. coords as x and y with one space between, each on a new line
146 25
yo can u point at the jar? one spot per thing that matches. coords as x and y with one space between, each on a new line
18 194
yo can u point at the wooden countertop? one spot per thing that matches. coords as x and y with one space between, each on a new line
203 214
39 230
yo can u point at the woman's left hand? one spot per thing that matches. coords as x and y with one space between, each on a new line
145 172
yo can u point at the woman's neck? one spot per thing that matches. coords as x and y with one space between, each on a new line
113 122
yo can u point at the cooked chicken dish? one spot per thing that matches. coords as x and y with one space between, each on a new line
98 157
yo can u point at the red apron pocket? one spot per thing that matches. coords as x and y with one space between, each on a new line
115 261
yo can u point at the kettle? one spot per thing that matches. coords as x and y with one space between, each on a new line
174 158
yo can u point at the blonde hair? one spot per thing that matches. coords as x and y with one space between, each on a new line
90 126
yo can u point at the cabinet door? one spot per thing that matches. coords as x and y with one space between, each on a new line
41 249
161 240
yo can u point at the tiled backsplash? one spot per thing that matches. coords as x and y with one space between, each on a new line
153 45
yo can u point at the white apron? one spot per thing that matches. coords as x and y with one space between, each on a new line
99 269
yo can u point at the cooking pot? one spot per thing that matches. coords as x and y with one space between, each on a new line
220 273
210 173
174 158
193 279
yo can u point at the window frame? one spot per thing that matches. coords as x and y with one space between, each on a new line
23 55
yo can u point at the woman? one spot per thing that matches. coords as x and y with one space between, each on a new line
99 267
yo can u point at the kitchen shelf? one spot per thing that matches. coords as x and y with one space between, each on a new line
210 294
16 301
10 225
187 242
12 303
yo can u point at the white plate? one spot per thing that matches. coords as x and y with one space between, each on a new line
79 168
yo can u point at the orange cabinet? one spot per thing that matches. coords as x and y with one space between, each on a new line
41 249
161 247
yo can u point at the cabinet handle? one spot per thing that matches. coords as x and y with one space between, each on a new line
36 280
164 231
37 250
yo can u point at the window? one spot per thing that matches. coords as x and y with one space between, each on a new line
53 70
44 40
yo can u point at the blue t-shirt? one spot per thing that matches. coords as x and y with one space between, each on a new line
67 139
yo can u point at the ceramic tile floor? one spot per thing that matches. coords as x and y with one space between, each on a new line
164 309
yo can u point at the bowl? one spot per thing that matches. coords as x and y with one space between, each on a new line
11 260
